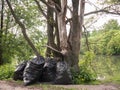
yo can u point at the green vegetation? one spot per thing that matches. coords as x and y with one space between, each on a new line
6 71
98 65
105 41
94 64
86 73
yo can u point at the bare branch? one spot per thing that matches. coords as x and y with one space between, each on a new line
53 49
40 8
52 5
69 9
102 10
106 10
86 37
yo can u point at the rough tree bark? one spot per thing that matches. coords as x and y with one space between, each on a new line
1 32
75 35
62 27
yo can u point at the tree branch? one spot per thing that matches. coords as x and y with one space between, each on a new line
39 7
52 5
53 49
105 10
23 29
86 37
102 10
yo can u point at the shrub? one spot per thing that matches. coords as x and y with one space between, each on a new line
86 72
6 71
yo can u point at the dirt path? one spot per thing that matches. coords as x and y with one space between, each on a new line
9 85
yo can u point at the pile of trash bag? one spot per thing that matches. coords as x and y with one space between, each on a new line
18 73
49 70
42 69
63 74
33 70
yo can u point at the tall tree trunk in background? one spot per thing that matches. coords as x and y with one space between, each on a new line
50 29
75 35
1 32
51 32
76 32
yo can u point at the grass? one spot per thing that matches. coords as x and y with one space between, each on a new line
44 86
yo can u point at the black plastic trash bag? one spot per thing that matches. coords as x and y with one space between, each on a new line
63 73
33 70
49 70
18 74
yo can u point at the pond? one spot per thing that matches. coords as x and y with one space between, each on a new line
105 67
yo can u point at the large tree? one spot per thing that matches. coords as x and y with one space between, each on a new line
66 46
64 27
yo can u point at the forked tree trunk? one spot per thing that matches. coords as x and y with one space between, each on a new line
71 46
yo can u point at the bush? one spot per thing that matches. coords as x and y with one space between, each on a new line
86 72
113 46
6 71
81 77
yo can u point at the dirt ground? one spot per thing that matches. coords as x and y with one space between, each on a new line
11 85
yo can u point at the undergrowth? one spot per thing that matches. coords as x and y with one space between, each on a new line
86 73
6 71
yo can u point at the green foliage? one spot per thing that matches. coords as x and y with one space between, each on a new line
111 25
8 47
6 71
86 72
39 39
104 42
14 44
114 45
97 68
23 11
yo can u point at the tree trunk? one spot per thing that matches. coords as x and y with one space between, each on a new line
75 36
75 33
51 32
1 32
62 28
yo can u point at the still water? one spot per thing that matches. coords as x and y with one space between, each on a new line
107 67
104 67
